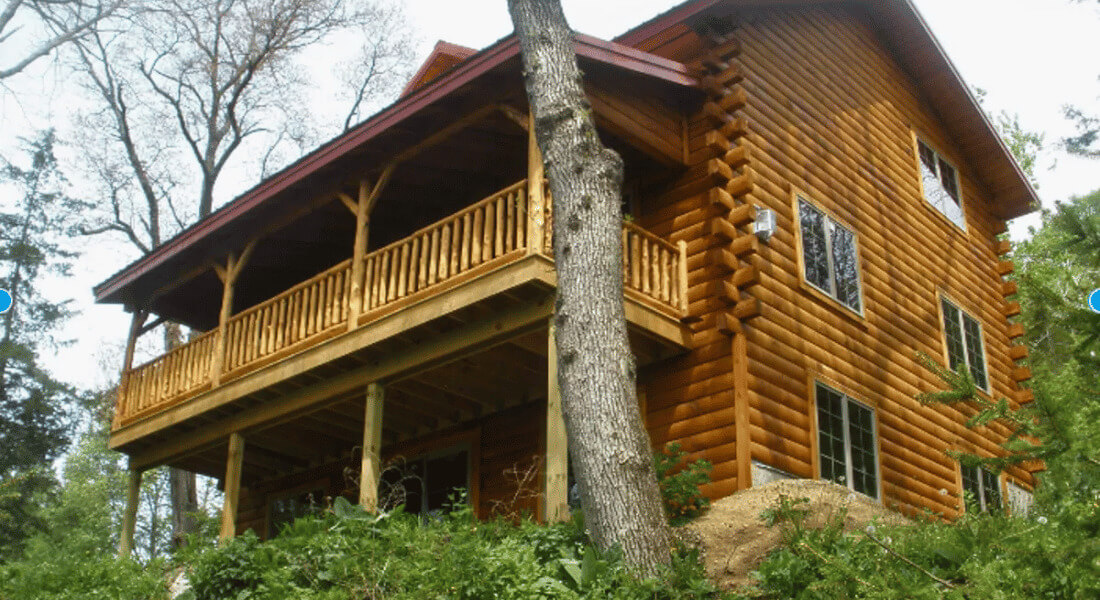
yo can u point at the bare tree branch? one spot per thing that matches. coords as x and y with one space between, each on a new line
62 22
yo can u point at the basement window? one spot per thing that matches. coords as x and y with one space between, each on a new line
940 181
427 484
963 337
284 508
846 441
829 258
982 488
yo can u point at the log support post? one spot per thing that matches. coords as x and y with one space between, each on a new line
362 207
371 471
129 516
233 464
228 274
536 202
556 460
137 323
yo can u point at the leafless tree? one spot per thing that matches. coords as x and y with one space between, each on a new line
32 29
186 89
596 370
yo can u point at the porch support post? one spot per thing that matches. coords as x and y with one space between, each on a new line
359 250
536 203
228 275
137 322
129 516
371 470
233 464
556 483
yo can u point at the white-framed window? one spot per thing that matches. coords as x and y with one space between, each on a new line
983 488
846 441
963 337
941 184
830 261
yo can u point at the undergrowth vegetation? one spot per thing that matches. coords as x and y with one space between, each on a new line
348 553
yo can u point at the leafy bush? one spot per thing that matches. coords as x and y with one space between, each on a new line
680 484
348 553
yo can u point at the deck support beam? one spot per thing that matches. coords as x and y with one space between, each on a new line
137 327
556 460
371 471
536 202
233 465
129 516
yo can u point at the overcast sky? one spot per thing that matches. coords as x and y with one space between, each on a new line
1032 56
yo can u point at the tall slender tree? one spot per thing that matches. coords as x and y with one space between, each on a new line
34 406
596 371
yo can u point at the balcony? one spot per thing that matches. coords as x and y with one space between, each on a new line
491 258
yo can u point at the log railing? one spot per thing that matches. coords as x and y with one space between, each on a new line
175 374
490 232
655 268
310 308
478 234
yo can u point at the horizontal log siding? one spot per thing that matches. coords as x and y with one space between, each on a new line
689 399
829 114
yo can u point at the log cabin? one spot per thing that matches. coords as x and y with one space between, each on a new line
812 196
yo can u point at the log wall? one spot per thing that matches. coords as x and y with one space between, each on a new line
826 112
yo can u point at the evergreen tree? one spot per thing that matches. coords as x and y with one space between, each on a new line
34 407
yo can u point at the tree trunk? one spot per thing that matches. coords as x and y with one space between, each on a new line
182 487
596 372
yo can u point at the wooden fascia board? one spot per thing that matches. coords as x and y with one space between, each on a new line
475 66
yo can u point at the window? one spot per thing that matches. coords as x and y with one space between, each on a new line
426 484
964 343
284 509
941 184
983 487
829 255
846 441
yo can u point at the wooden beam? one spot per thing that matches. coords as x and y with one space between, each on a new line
129 516
233 463
136 323
535 200
556 460
450 346
515 115
151 326
358 251
370 472
446 132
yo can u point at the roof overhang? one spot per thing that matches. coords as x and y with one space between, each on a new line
238 211
906 34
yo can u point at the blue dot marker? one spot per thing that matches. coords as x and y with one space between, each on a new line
5 301
1094 300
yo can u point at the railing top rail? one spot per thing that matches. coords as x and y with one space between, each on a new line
298 286
195 340
458 215
649 235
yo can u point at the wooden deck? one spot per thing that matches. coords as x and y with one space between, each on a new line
496 248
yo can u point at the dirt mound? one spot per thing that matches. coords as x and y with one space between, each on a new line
735 540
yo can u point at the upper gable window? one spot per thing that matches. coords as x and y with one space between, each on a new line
829 259
941 184
964 343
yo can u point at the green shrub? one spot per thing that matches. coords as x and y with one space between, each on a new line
680 483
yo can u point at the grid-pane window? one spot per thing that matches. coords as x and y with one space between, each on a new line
983 488
846 441
829 255
963 335
941 184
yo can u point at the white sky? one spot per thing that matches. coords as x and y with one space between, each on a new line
1032 56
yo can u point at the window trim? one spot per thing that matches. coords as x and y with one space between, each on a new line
917 141
815 443
419 448
999 477
806 284
942 297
